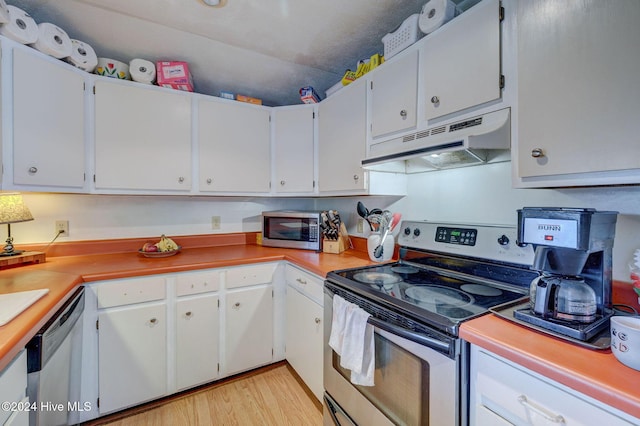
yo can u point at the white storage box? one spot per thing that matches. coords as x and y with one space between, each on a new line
403 37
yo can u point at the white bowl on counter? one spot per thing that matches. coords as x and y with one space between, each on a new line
625 340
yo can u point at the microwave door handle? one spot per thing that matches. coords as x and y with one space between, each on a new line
407 334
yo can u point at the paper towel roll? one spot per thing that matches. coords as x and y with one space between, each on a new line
53 41
82 56
4 12
436 13
21 27
142 71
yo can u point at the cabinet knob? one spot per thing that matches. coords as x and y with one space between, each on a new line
153 321
301 281
188 314
33 170
209 181
356 177
317 320
236 305
435 100
180 179
403 114
282 183
537 153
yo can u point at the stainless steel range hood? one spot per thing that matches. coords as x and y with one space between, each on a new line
472 141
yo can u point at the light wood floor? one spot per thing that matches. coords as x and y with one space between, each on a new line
270 396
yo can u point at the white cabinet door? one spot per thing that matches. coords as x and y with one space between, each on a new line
578 91
48 123
197 331
234 147
342 139
142 138
248 339
502 392
13 385
460 62
304 339
394 95
132 355
293 145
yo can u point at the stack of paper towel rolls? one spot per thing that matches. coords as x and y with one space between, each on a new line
20 26
142 71
82 56
436 13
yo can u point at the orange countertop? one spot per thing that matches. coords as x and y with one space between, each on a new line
62 274
596 373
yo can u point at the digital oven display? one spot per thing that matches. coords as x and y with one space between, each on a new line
461 236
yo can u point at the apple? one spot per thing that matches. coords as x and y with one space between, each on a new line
149 247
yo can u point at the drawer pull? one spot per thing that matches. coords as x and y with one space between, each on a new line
301 281
557 418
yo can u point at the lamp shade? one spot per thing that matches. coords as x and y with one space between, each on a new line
12 209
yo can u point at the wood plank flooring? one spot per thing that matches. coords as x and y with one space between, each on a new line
269 396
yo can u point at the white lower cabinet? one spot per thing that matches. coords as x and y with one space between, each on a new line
504 393
148 337
303 327
248 339
197 330
132 354
13 388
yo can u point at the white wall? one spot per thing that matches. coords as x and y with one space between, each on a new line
484 195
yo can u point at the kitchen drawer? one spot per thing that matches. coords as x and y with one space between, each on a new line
13 383
307 283
197 282
521 398
129 291
250 275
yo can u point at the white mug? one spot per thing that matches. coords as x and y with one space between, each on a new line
625 340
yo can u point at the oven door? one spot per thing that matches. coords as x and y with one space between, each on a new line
414 384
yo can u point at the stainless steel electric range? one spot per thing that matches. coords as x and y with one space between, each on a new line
447 274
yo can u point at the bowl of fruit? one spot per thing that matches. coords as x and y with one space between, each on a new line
164 248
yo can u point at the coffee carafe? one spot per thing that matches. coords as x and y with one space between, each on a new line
573 254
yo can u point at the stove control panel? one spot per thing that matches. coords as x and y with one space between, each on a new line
464 236
492 242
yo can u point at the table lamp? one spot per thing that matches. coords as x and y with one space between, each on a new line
12 210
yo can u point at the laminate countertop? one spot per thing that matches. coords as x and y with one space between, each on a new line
594 373
63 274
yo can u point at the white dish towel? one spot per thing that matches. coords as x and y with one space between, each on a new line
352 338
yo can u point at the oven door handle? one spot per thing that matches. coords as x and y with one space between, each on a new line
407 334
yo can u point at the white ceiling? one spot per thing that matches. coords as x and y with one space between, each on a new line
262 48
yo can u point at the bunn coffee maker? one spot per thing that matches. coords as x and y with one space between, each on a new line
573 254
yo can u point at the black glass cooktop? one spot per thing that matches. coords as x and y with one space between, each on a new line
431 295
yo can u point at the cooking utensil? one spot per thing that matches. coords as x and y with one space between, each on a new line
364 213
387 216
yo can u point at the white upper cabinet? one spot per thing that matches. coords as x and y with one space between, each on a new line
142 138
394 94
578 93
293 130
48 123
234 147
342 139
460 62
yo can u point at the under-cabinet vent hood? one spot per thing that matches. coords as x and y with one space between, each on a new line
472 141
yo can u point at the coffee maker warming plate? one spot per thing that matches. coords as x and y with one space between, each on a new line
601 340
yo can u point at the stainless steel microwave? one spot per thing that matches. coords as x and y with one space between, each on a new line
292 229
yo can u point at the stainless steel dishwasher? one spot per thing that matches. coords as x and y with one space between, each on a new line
53 366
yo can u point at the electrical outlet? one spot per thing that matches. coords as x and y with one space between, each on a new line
360 226
215 222
62 228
